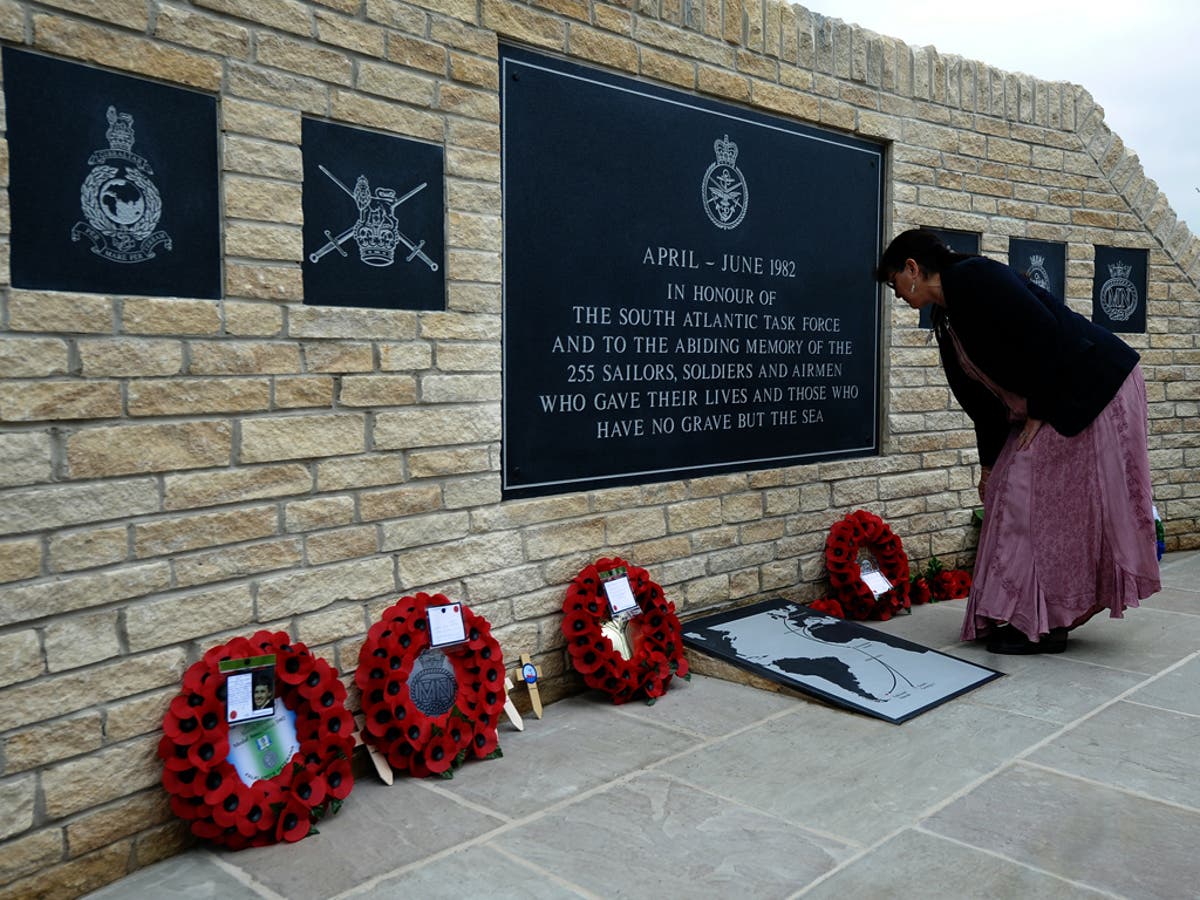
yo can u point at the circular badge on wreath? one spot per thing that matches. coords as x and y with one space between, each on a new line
427 708
622 658
207 782
868 569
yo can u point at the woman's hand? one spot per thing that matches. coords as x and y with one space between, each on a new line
984 472
1028 431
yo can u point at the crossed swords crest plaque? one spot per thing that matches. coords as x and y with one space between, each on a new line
377 231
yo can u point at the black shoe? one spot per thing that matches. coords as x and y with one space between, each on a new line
1009 640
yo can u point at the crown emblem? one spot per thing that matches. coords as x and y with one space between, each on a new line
376 232
727 151
120 130
1119 270
1037 259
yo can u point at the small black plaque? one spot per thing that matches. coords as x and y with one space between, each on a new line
959 242
1119 289
113 181
1042 262
373 219
687 284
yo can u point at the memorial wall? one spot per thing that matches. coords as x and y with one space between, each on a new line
306 306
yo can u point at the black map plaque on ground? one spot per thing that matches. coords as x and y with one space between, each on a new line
844 663
687 284
113 181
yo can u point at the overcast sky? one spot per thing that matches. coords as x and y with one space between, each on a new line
1140 61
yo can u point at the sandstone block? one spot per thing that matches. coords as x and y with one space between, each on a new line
362 110
341 543
410 51
432 426
302 437
523 24
24 458
78 40
286 15
74 641
741 507
262 200
321 512
178 534
20 657
360 472
189 491
408 356
327 626
565 538
30 357
259 119
341 31
141 715
339 356
316 588
624 528
262 282
225 563
109 824
276 86
244 358
391 81
100 777
152 315
197 396
178 618
476 553
302 391
35 851
261 241
418 531
351 323
378 390
481 490
67 313
164 447
50 742
59 506
304 59
124 357
63 595
252 319
25 703
183 26
457 461
33 401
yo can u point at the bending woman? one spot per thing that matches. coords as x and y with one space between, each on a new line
1059 409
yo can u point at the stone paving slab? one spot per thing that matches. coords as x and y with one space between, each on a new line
1073 776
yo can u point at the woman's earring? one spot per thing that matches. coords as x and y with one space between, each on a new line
912 285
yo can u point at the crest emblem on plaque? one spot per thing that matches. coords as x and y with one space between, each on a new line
1119 295
377 231
432 685
1037 271
724 190
119 201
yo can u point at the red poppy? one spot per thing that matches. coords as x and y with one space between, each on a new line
339 778
439 753
230 801
294 821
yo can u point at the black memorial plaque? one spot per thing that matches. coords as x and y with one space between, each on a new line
687 285
113 181
1042 262
1119 289
959 242
373 219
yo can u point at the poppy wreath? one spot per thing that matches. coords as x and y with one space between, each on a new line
937 583
655 636
205 788
412 740
857 532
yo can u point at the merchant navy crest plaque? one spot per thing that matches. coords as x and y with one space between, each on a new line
1119 295
119 200
432 685
724 190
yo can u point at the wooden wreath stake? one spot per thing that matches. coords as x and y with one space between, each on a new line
530 675
509 709
377 759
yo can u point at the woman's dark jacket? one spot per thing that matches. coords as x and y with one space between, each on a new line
1028 342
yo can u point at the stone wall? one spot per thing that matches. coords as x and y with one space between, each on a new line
176 471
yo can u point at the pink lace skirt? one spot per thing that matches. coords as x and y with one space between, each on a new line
1068 526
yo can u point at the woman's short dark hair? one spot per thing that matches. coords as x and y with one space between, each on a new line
920 245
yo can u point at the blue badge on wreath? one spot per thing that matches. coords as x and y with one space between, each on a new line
725 192
119 201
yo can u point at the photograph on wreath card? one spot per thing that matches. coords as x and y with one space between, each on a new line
1119 289
112 181
1042 262
374 233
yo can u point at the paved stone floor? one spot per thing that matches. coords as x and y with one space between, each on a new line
1075 776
